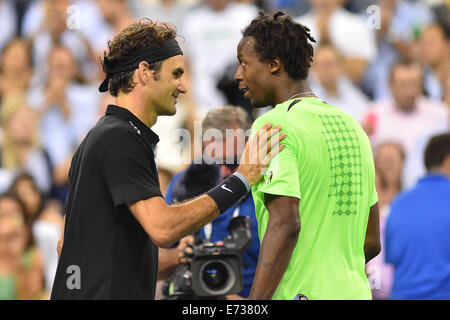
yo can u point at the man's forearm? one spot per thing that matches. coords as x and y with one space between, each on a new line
275 254
167 224
191 215
167 262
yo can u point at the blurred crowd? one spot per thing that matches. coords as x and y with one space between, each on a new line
385 62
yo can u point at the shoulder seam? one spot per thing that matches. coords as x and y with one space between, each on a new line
293 103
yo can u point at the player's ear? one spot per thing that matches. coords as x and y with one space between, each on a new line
275 65
144 73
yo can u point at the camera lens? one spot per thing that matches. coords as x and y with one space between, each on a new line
215 275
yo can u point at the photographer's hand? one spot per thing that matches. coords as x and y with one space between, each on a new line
170 259
185 249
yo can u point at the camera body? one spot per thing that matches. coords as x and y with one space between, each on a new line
215 269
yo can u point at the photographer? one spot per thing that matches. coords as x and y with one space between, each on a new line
233 123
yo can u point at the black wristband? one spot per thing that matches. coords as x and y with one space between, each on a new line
230 191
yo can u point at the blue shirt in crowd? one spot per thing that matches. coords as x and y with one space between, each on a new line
418 240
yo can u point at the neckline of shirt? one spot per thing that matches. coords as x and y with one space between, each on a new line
134 121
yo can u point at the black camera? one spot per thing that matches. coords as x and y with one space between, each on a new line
215 269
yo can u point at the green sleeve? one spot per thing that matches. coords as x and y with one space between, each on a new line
282 175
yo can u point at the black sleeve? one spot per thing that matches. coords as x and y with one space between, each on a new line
129 170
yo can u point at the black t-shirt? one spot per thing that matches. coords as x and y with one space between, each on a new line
106 252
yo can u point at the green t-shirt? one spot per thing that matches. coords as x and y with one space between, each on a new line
327 163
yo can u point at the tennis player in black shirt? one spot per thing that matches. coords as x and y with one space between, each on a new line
116 217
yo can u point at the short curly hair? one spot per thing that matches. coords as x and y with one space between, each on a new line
278 35
144 33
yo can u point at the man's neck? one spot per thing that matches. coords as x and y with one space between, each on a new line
331 89
136 106
410 108
289 89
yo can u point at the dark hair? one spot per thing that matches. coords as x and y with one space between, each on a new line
438 148
196 179
144 33
278 35
13 189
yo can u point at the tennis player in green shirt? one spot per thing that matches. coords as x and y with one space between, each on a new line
317 205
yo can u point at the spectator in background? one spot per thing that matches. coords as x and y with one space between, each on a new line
46 222
213 30
82 16
21 266
16 68
117 14
447 90
417 230
161 10
389 158
292 7
348 33
435 55
8 22
400 25
376 78
20 148
330 82
233 123
67 107
406 118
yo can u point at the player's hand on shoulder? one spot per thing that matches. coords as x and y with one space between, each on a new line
259 151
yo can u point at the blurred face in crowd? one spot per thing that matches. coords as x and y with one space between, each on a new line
389 163
110 9
327 66
62 65
227 150
60 5
326 5
29 194
406 85
217 5
434 46
16 58
168 84
234 145
9 206
21 126
56 16
254 76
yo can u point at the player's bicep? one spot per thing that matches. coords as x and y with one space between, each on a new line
372 241
127 171
151 215
284 209
282 175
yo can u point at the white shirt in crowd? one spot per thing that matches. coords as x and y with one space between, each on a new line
8 22
348 32
349 98
211 39
58 135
